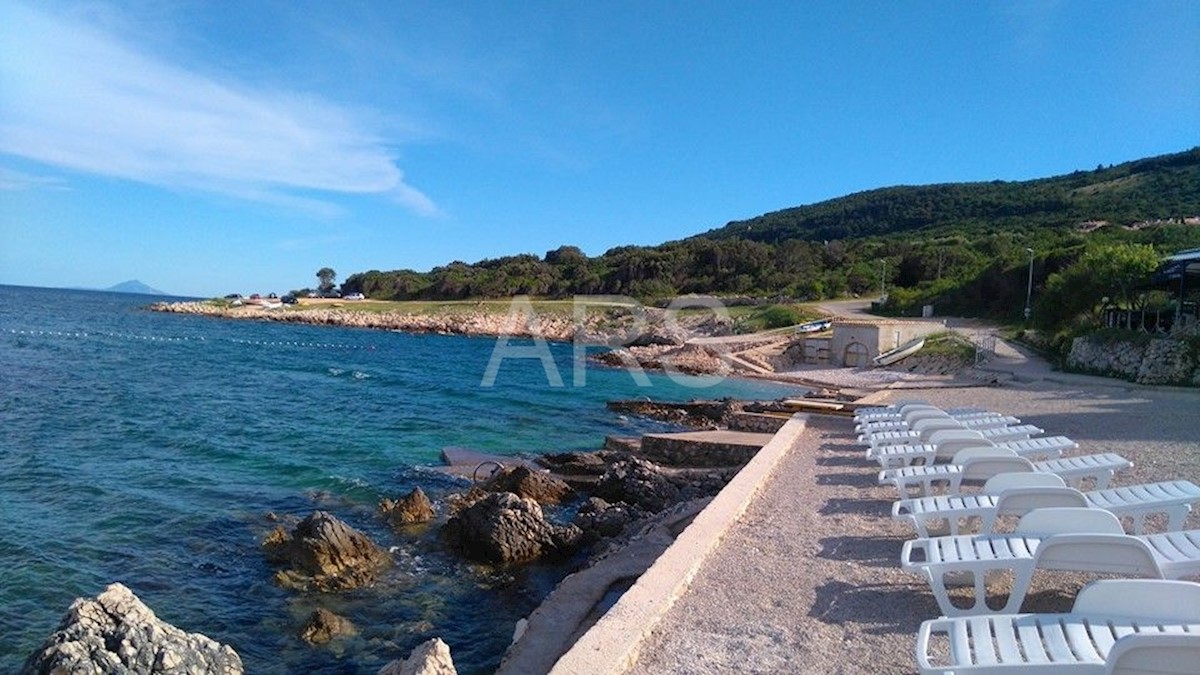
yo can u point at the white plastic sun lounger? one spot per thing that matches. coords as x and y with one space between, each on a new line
895 456
911 417
949 441
1115 626
983 463
909 437
919 430
1075 539
898 408
1019 493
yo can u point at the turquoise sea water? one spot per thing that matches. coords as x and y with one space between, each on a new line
148 448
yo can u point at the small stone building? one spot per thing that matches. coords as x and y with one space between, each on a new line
856 341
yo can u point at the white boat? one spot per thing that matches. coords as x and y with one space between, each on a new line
893 355
814 326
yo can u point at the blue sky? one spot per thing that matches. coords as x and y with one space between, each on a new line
212 147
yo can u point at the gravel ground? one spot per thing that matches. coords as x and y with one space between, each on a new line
808 581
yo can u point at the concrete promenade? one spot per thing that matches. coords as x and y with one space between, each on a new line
806 578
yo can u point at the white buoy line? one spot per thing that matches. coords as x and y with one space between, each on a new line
160 338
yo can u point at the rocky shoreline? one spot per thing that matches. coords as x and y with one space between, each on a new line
638 337
615 326
571 509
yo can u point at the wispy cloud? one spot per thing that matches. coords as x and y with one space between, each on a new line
11 179
78 98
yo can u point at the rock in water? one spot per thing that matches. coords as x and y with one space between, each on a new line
504 528
116 634
409 510
429 658
529 484
323 625
324 553
599 519
638 482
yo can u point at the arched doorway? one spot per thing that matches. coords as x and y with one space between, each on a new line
855 355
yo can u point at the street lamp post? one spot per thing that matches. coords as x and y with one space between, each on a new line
1029 286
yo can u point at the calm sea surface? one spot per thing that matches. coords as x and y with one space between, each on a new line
148 448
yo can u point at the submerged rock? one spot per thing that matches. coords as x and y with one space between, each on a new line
504 528
324 553
529 484
411 509
323 626
429 658
117 634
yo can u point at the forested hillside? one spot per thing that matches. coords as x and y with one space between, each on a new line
962 245
1148 189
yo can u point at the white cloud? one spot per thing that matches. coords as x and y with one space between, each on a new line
77 98
11 179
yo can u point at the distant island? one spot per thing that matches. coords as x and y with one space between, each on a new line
134 286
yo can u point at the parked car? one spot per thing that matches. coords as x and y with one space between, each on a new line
289 299
355 296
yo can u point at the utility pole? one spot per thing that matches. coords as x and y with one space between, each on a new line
882 272
1029 286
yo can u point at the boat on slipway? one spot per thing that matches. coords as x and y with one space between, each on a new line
893 355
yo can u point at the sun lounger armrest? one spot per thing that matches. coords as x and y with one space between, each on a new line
925 634
1154 599
911 547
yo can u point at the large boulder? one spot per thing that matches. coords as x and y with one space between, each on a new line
117 634
598 519
529 484
325 554
504 528
411 509
429 658
638 482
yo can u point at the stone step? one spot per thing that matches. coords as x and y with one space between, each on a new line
703 448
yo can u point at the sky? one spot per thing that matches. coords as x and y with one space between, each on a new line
207 147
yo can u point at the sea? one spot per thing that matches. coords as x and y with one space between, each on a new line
155 450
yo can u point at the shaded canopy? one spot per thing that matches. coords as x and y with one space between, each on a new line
1176 267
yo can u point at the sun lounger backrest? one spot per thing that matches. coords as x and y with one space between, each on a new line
1022 500
950 448
1161 653
1069 520
928 425
981 468
1152 599
980 452
942 435
1007 481
914 416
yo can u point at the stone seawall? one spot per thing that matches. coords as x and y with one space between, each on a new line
1153 360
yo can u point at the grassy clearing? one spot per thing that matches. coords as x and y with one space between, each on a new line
948 343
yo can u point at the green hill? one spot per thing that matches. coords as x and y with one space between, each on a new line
964 246
1156 188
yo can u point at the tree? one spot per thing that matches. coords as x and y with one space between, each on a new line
326 276
1106 271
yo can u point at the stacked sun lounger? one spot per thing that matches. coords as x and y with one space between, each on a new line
991 470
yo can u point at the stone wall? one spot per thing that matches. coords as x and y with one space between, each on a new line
1155 360
756 422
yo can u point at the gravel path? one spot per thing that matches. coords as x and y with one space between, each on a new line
808 581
